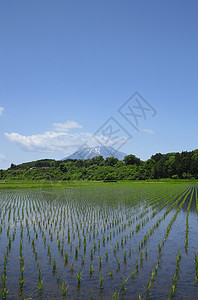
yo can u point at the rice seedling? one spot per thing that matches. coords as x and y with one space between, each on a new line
123 284
137 266
85 246
54 265
160 249
148 286
91 269
118 245
137 227
115 295
58 276
196 260
3 279
41 284
64 287
125 257
91 254
100 279
130 251
79 277
4 292
146 253
152 275
33 244
83 260
22 270
118 262
66 258
76 252
103 240
178 257
141 257
172 289
59 245
156 267
107 255
111 273
100 261
132 274
72 266
21 280
196 268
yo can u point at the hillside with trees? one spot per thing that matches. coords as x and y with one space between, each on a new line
182 165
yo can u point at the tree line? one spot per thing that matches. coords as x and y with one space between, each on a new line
182 165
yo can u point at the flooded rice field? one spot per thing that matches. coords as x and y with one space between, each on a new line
111 241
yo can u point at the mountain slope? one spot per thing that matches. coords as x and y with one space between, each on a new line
90 152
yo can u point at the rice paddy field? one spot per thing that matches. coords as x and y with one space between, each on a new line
105 241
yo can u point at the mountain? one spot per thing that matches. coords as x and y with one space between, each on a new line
90 152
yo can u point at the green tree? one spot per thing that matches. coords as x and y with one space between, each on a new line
111 161
132 160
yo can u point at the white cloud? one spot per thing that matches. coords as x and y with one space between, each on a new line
60 139
67 126
1 111
2 156
149 131
49 141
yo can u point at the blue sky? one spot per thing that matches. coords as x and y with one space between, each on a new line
66 67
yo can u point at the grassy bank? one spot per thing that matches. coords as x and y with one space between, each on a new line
14 184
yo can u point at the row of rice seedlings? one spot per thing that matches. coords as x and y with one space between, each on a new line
168 195
156 201
187 223
4 290
154 272
196 198
196 268
169 198
41 281
162 244
149 202
153 275
175 277
21 279
138 226
35 253
175 216
146 237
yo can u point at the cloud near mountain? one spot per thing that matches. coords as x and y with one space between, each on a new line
2 156
1 111
59 139
67 126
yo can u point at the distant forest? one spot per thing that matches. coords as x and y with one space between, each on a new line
182 165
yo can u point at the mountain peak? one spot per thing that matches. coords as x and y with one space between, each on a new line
89 152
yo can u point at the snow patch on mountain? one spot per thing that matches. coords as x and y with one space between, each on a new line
90 152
